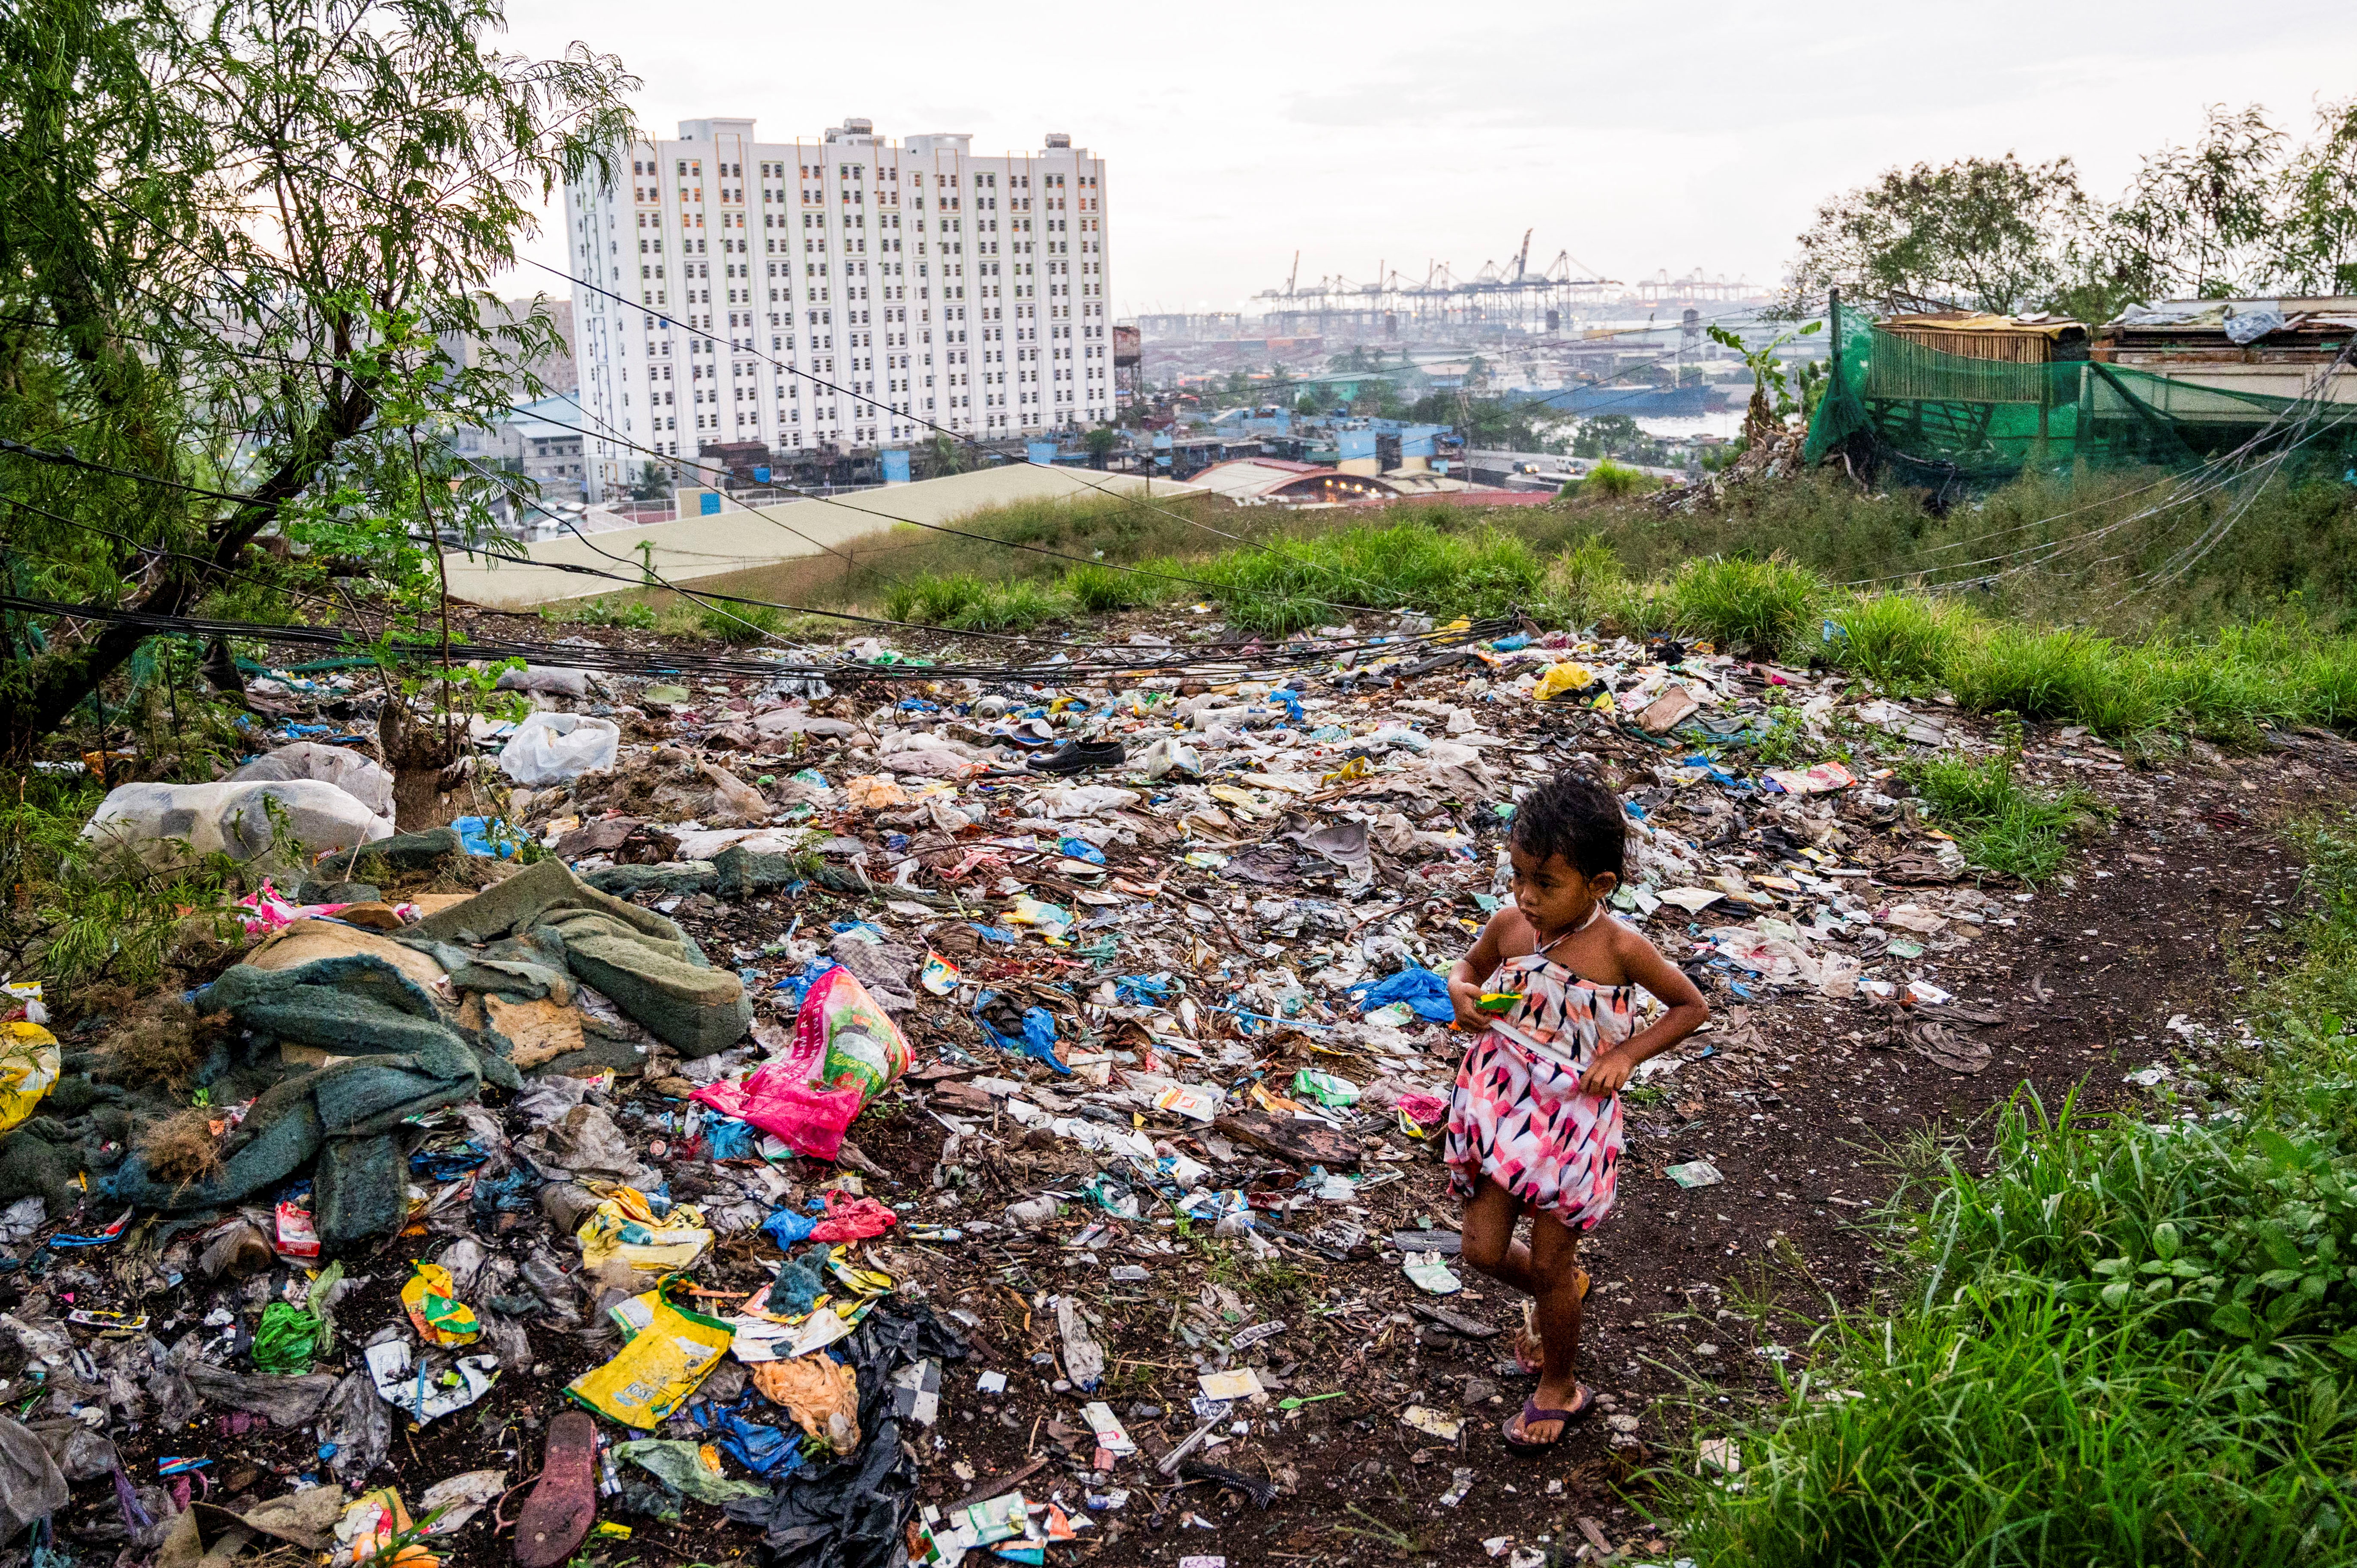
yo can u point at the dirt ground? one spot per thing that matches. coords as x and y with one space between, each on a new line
2123 964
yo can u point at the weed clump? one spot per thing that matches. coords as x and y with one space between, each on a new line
1760 605
739 626
181 1148
2001 825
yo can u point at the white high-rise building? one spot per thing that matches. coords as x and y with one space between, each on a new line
843 293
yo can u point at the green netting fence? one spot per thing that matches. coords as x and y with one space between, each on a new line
1938 418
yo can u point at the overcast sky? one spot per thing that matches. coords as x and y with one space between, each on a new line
1637 137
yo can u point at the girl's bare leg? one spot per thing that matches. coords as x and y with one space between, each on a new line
1553 1267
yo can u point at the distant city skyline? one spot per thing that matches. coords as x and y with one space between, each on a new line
1637 140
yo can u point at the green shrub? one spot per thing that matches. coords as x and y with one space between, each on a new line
1100 590
1298 582
1017 607
1762 605
1584 577
1614 482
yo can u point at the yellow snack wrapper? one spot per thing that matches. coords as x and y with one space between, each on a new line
431 1299
29 1068
624 1224
667 1358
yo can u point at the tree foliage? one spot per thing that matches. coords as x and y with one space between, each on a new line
2244 208
238 243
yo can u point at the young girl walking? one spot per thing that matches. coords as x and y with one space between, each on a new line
1534 1124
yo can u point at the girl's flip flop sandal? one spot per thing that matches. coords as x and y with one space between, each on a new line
1531 1414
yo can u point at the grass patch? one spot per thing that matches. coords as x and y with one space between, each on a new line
961 601
1764 606
1906 641
1413 565
2111 1339
2125 1343
739 626
1102 590
2000 824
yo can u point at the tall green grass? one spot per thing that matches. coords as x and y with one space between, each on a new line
1763 605
2123 1344
964 602
1296 582
2110 1340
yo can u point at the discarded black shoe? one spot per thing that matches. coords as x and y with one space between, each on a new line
1080 756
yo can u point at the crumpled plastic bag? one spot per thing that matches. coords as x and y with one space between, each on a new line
690 1469
852 1219
1561 680
555 748
29 1062
1032 1032
821 1393
355 773
624 1225
1418 986
287 1339
415 1385
671 1351
845 1049
31 1485
242 821
355 1423
431 1299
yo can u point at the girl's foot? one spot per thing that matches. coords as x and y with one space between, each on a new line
1526 1431
1528 1350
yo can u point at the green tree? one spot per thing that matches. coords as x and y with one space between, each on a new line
1994 234
1100 442
941 456
234 238
653 484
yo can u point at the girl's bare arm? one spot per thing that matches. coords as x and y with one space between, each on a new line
1645 966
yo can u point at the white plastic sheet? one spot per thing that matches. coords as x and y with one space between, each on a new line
557 748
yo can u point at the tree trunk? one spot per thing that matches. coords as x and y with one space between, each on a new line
426 760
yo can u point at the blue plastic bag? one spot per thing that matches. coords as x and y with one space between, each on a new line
1081 849
1038 1039
1415 986
485 835
730 1139
765 1450
1140 989
788 1228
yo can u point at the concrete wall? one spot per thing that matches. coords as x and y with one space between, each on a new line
730 541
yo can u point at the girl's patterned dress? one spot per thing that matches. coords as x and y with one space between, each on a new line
1518 1116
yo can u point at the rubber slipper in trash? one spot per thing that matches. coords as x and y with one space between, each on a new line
1695 1172
429 1387
558 1514
1430 1274
431 1299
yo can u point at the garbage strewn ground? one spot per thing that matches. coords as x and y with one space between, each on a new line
838 1120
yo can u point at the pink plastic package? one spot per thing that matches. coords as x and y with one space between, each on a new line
845 1048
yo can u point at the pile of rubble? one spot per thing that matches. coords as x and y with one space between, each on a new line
898 1118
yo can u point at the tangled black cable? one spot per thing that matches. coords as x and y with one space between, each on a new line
1245 661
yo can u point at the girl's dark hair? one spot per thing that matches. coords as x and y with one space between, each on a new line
1573 816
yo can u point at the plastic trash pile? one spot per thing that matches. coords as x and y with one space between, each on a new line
859 1121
